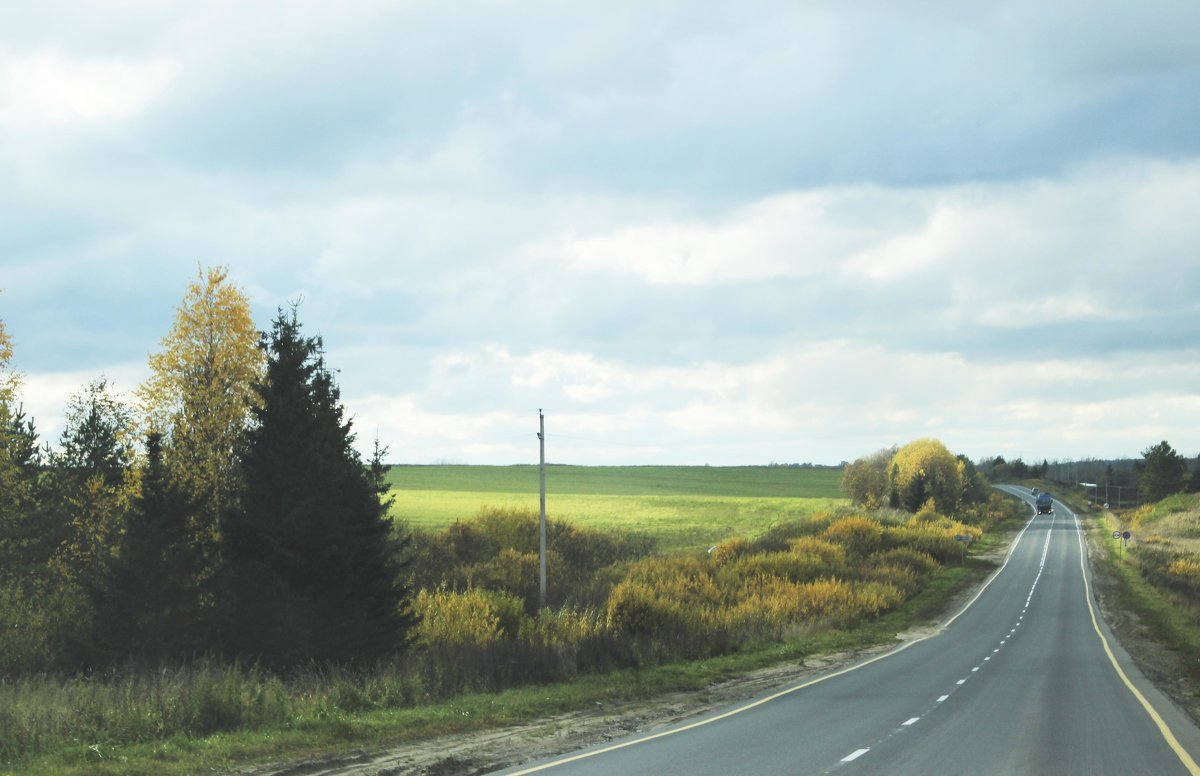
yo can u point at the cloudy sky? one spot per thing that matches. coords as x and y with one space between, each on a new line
692 232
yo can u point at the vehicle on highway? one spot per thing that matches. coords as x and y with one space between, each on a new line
1045 504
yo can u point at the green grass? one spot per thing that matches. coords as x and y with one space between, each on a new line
1169 622
682 507
747 481
330 729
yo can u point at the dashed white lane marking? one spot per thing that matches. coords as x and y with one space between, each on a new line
976 668
943 698
911 721
857 753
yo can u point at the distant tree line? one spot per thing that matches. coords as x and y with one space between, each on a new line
1160 472
224 512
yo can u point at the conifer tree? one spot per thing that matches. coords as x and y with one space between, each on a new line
310 553
1161 472
92 482
28 535
151 607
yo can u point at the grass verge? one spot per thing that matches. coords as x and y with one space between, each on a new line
327 732
1168 623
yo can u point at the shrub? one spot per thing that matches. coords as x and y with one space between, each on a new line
637 609
859 535
473 616
833 556
729 550
921 563
563 626
794 567
898 576
779 536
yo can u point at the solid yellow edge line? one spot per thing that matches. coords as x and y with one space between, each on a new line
1163 728
781 693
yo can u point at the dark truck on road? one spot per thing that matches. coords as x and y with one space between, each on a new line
1045 504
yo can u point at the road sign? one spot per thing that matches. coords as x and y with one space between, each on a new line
1116 535
1126 535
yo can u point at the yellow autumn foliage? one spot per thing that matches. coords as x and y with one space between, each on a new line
924 470
473 617
859 535
562 626
201 387
1185 567
8 381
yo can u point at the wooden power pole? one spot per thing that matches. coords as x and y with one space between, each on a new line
542 511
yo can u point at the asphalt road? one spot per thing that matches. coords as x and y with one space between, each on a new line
1025 680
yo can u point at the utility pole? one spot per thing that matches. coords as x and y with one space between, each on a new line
542 511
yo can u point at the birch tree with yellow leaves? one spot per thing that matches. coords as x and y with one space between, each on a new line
7 379
925 470
199 398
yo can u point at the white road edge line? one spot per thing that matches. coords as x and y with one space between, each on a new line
788 691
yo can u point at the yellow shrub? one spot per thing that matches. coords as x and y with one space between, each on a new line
687 580
900 577
859 535
919 562
473 616
562 626
792 566
1185 567
728 550
832 555
636 609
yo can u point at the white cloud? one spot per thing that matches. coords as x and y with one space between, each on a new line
825 402
52 88
788 235
44 395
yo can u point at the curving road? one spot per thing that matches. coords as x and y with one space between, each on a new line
1025 680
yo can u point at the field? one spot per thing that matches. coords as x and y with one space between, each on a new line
681 507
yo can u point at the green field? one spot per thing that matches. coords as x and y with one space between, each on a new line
682 507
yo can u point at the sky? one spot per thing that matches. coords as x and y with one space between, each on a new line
689 232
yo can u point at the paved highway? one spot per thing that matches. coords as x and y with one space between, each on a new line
1025 680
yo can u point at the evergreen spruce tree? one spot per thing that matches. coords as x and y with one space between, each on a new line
312 562
29 532
153 611
1161 472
